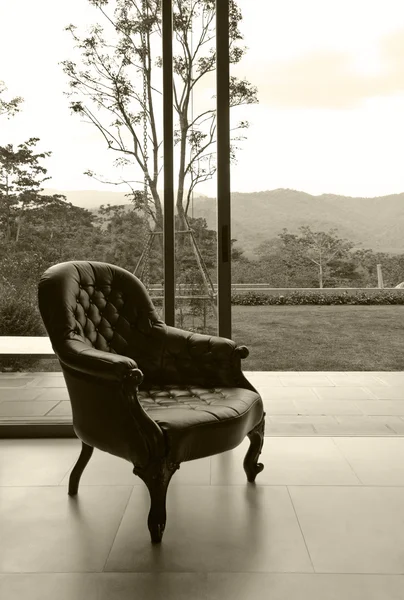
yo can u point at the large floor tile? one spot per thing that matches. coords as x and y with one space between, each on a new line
287 461
304 586
200 586
263 375
63 409
44 530
306 381
26 408
280 407
272 427
328 407
213 528
36 462
352 529
18 395
390 377
376 461
301 418
353 425
104 586
287 393
382 407
354 380
15 382
344 393
388 392
395 423
51 382
54 393
105 469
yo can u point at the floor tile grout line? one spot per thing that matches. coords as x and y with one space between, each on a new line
301 530
347 461
259 573
366 389
50 410
117 530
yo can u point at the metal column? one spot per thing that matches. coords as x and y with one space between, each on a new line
223 166
169 236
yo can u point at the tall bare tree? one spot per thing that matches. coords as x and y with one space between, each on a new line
114 84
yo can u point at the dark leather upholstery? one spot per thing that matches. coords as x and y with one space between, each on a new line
200 421
140 389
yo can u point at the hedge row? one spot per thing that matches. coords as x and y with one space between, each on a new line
296 298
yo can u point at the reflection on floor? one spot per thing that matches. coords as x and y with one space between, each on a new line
296 403
324 521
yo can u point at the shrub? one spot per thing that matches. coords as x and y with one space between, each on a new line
318 298
19 316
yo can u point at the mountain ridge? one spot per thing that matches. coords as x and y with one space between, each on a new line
375 222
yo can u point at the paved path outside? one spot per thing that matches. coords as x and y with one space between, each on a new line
296 403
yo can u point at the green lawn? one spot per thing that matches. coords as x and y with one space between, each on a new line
321 338
303 338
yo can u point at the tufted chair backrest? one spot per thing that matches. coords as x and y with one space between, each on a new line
102 305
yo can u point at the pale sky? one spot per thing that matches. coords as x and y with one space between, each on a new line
330 77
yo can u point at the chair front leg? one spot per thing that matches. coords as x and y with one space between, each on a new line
251 465
157 476
74 479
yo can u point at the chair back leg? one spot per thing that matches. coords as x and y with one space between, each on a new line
74 479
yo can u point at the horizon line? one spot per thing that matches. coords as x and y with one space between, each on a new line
205 196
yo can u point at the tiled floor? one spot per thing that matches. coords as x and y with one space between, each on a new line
324 521
296 403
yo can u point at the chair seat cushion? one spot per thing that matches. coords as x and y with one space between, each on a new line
200 422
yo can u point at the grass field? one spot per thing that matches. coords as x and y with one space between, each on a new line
321 338
302 338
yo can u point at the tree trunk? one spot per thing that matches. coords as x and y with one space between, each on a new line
158 206
182 221
321 275
18 231
157 240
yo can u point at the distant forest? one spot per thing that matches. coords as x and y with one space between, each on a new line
51 231
376 223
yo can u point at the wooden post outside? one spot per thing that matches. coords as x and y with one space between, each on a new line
380 277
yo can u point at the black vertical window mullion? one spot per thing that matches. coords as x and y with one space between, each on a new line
168 146
223 167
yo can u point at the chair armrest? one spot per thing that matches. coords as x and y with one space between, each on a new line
202 359
105 385
97 363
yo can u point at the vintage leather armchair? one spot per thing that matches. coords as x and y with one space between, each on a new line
149 393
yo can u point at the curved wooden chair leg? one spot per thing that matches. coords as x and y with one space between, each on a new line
74 479
157 476
251 465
